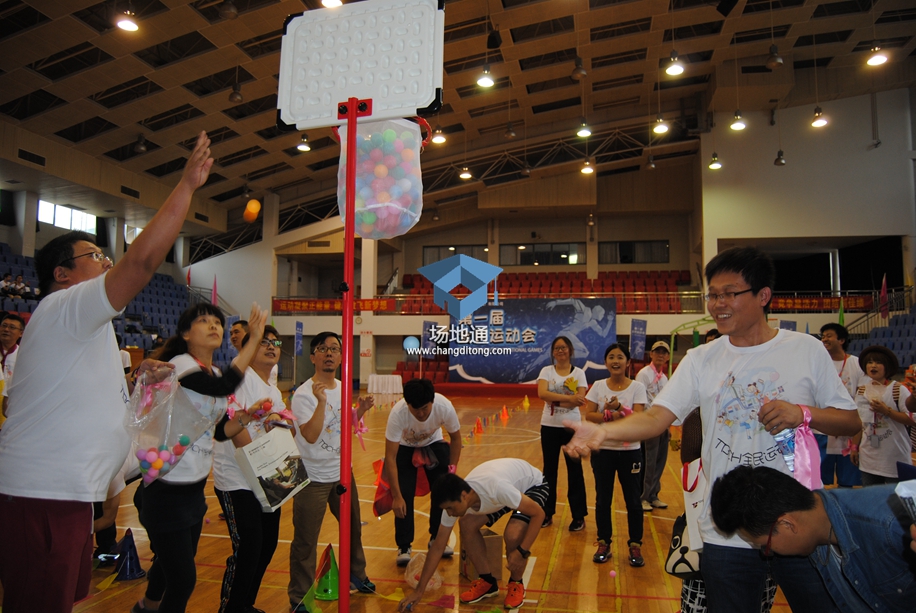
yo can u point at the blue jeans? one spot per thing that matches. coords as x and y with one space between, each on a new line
736 578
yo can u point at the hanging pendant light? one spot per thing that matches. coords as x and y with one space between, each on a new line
510 132
738 123
127 20
650 163
584 131
465 173
303 145
140 145
485 79
675 67
438 135
660 125
235 96
714 163
819 120
331 4
774 61
587 167
579 71
227 10
780 159
877 56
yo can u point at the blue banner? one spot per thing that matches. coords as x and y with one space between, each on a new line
510 343
298 343
426 338
637 338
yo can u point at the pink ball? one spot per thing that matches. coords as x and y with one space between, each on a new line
164 455
152 455
398 145
612 574
390 161
376 155
207 520
366 166
152 473
407 166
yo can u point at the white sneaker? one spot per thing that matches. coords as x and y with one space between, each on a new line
449 551
646 505
658 504
403 558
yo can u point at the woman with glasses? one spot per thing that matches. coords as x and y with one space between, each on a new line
562 387
254 532
172 508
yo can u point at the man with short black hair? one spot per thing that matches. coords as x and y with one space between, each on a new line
857 539
493 489
11 328
69 393
711 335
750 385
414 434
654 377
836 465
237 332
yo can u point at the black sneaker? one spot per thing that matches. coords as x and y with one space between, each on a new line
577 525
403 557
604 552
548 521
635 556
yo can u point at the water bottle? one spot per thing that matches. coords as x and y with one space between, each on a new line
785 442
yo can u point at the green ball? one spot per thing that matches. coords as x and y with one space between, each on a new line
184 440
389 135
163 447
369 218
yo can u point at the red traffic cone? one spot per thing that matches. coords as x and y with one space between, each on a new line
128 567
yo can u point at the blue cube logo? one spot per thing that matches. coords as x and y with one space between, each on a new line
457 270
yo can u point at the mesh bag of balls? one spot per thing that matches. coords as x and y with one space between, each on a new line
163 423
389 183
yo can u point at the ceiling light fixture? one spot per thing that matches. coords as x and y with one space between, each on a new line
714 163
465 173
331 4
587 167
436 215
227 10
235 96
780 159
438 135
140 145
819 120
877 56
579 71
738 123
675 67
591 220
660 125
494 40
650 163
485 79
304 143
584 131
774 61
127 20
509 133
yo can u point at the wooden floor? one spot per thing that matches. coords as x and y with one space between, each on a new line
563 577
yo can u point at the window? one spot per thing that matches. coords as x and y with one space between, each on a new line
432 255
131 233
65 217
633 252
542 254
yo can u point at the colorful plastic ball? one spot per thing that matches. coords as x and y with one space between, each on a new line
178 449
367 166
389 135
152 455
165 468
369 218
407 155
157 464
144 465
397 173
395 192
381 171
184 440
388 148
152 473
163 447
141 454
390 161
206 520
164 454
381 197
612 574
377 140
398 145
376 154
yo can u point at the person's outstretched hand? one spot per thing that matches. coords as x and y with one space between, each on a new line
587 437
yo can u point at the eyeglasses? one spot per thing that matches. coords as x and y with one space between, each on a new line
324 349
563 348
767 549
98 256
266 342
9 327
725 296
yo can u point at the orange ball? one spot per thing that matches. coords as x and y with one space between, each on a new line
249 216
407 155
381 171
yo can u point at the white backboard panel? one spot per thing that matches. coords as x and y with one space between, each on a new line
388 50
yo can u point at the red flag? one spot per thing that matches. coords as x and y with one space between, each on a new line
189 276
214 299
882 299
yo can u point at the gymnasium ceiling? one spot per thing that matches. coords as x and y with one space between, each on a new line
67 74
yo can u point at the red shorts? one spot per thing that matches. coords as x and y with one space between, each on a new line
46 557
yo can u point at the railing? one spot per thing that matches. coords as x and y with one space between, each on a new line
899 300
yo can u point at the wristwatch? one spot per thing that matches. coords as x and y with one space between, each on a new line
525 553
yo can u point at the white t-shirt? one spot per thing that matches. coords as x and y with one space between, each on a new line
884 441
499 483
407 430
227 476
850 373
125 361
321 459
9 366
730 384
274 373
65 436
561 384
634 394
197 459
653 383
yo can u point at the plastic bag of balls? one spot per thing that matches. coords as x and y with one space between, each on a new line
163 423
389 183
413 570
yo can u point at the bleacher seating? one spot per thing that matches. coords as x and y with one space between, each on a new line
899 336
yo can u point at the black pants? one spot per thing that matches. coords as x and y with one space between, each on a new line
551 441
627 465
173 575
407 481
106 538
254 535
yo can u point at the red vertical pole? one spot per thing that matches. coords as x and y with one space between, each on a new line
346 377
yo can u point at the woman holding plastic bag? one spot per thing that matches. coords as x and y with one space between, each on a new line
254 532
172 507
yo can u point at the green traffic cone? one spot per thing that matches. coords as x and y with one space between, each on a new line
328 583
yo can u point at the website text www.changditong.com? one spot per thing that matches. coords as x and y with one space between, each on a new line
427 352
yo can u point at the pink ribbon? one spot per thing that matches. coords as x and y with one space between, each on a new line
807 454
850 447
148 390
359 427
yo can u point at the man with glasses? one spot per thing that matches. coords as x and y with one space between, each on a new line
751 384
10 332
858 540
317 412
69 394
